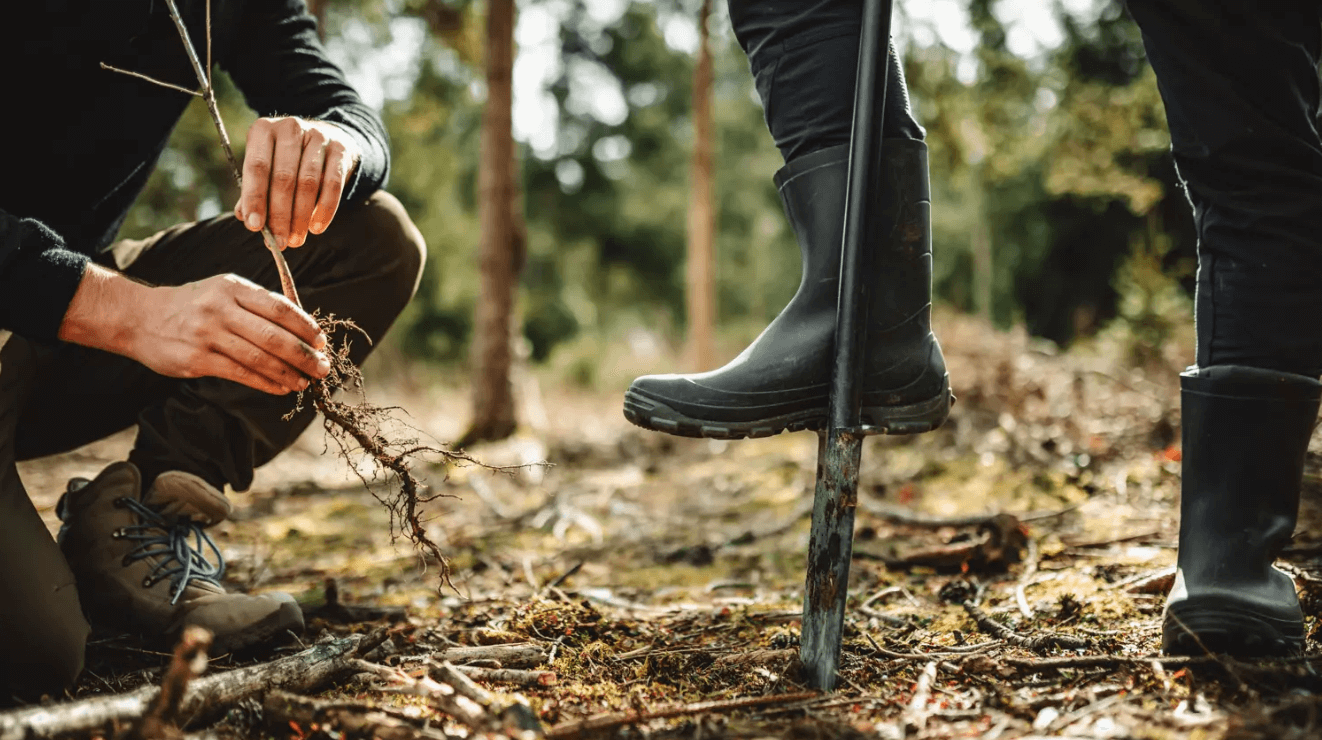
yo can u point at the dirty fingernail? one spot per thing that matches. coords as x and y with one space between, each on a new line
254 221
323 365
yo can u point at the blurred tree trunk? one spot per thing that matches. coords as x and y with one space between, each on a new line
317 9
501 249
701 291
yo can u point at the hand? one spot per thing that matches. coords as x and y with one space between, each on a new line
228 327
294 171
223 326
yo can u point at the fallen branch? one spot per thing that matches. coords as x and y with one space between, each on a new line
283 711
509 675
161 720
524 654
614 720
456 695
1035 644
915 716
1040 665
904 515
204 698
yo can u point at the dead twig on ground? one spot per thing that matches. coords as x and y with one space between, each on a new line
162 718
915 716
523 654
301 672
457 695
1040 665
509 675
615 720
283 711
1030 569
1035 644
909 517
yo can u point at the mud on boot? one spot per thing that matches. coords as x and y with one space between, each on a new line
783 380
1245 432
144 563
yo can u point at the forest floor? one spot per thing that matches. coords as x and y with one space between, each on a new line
660 579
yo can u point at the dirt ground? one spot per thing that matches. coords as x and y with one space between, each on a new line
659 573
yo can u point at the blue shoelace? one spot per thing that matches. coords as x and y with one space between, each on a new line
180 545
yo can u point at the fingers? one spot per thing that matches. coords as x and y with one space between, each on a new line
284 178
334 175
276 353
308 187
257 159
278 310
294 173
244 362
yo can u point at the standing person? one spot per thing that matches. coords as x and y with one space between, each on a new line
804 58
181 333
1241 89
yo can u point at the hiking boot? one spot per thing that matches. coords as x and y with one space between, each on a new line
783 380
141 560
1245 434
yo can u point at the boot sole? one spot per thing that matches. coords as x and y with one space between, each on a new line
272 629
1196 627
916 418
275 628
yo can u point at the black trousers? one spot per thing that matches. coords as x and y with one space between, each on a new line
1241 88
804 57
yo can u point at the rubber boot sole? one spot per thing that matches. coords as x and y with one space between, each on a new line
650 413
1199 626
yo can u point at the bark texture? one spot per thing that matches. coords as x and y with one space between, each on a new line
500 253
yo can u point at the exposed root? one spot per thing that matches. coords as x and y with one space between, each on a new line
362 424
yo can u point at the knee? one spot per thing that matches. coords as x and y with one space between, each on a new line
393 243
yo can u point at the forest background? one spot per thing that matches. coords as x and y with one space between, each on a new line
1055 201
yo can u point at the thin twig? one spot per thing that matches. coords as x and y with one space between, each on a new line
1030 569
915 716
614 720
152 80
162 716
1040 642
209 95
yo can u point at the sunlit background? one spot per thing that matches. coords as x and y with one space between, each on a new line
1055 203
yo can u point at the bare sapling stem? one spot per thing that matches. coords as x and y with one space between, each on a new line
208 93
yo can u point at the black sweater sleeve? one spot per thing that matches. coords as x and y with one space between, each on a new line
281 67
33 255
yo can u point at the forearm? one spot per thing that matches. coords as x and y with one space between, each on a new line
105 310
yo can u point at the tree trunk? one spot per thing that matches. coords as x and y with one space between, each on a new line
500 252
317 9
701 290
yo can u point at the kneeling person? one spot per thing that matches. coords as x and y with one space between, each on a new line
183 334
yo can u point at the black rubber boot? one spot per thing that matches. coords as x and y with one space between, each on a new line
782 381
1245 434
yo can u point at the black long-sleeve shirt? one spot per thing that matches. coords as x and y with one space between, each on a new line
77 142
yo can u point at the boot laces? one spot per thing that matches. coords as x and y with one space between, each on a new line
178 542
